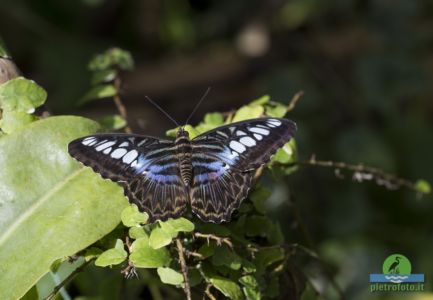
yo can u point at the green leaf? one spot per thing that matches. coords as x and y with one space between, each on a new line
113 57
15 120
224 256
261 101
91 253
144 256
191 131
215 118
31 294
130 216
114 122
268 256
276 111
248 112
104 76
287 154
226 286
207 250
249 281
137 232
170 276
422 186
180 225
159 238
20 94
112 256
251 287
259 197
51 206
99 92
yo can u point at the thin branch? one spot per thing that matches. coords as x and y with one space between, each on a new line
208 293
194 254
184 268
71 276
119 104
219 240
294 100
362 173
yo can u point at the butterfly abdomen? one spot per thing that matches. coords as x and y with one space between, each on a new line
184 153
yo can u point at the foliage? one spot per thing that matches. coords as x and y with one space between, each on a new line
54 208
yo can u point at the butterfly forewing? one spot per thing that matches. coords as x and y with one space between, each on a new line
146 166
224 161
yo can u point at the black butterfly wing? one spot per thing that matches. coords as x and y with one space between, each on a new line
147 167
224 161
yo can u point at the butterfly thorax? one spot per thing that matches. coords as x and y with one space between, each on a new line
184 152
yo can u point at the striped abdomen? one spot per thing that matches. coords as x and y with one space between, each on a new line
184 152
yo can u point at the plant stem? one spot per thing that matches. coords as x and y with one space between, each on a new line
184 268
119 104
362 173
57 288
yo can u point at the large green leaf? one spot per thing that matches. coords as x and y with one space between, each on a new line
50 206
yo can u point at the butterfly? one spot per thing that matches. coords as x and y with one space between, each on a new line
212 172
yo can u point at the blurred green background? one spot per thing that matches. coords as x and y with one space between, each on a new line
366 70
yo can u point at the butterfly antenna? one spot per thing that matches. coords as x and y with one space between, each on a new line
198 104
163 111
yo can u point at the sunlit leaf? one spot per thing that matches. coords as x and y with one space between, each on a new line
20 94
52 207
226 286
112 256
15 120
159 238
170 276
132 217
92 253
144 256
248 112
261 101
137 232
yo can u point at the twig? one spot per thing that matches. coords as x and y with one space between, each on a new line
194 254
57 288
184 268
119 104
219 240
208 293
362 173
294 100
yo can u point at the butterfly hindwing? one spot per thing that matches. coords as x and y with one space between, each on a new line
224 161
146 167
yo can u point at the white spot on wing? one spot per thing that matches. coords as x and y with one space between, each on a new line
130 156
258 136
259 130
124 144
87 141
247 141
118 153
104 145
240 133
275 122
238 147
106 151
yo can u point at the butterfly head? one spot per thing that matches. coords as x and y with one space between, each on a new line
182 133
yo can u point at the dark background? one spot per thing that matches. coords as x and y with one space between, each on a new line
365 67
